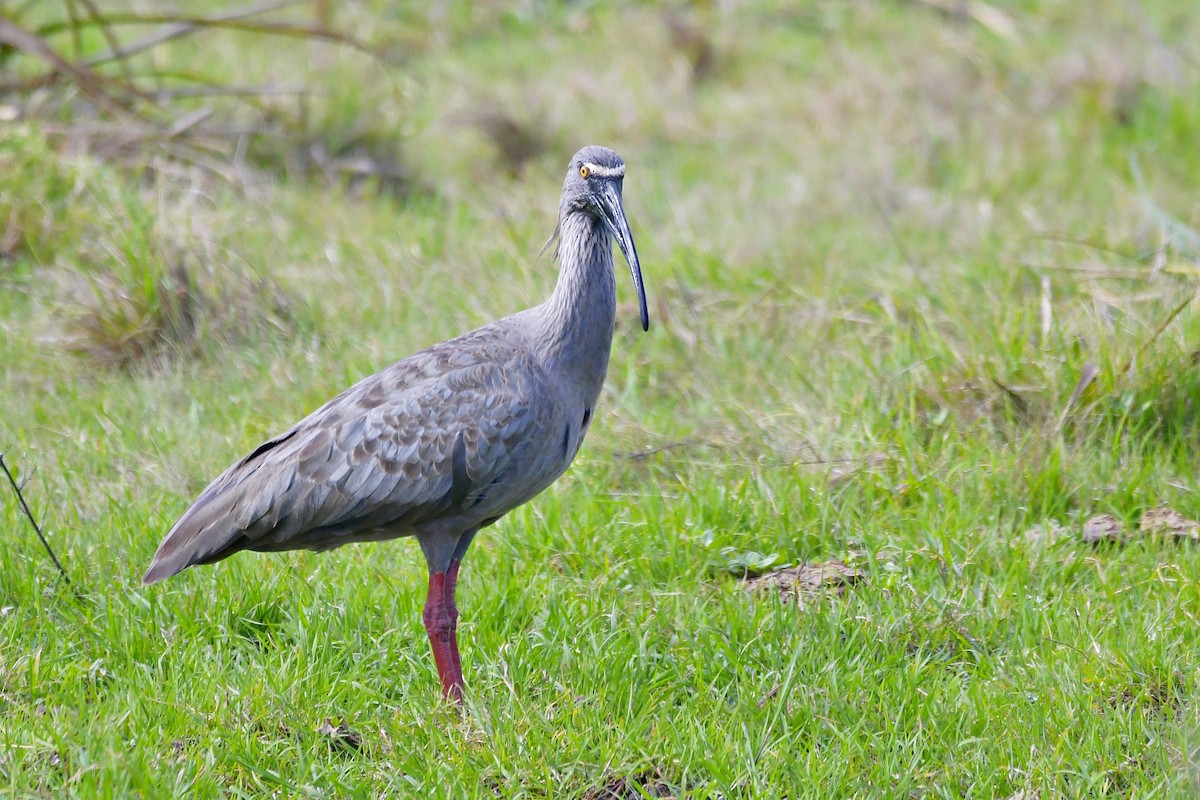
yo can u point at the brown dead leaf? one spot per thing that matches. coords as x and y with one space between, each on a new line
340 736
632 787
1162 521
772 692
1161 695
1103 528
806 580
1165 521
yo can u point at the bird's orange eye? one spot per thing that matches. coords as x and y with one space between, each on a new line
583 172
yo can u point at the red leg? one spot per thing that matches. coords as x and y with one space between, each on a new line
452 607
441 622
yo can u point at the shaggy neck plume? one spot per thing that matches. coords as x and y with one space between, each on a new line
578 319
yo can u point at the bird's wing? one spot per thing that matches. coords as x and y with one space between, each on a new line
425 437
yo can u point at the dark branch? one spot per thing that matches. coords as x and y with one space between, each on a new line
29 514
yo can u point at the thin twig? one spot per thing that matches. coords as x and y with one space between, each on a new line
164 95
106 32
29 514
76 37
189 121
173 26
90 83
182 24
174 30
1013 396
1162 326
642 455
914 365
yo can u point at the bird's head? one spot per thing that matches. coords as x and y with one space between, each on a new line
593 186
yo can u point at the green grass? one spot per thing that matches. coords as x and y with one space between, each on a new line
845 231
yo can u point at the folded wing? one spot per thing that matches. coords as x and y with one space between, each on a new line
430 436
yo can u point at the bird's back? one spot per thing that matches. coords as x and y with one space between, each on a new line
454 435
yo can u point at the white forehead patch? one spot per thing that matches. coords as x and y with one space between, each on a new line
605 172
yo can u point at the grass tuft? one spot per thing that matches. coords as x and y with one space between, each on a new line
137 295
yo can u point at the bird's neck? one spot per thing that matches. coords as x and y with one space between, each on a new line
577 321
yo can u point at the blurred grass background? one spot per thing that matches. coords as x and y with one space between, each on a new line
921 279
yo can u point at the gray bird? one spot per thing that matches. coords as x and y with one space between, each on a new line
446 441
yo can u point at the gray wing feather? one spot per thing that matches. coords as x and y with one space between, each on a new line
380 455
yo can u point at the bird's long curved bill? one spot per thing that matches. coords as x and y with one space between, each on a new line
618 226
